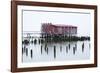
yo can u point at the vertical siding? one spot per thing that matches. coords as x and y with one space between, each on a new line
51 29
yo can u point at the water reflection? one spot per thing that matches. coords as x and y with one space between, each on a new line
31 53
35 51
83 47
41 49
26 51
54 51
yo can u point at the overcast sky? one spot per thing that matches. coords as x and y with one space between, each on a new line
32 20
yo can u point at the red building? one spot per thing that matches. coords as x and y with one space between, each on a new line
56 29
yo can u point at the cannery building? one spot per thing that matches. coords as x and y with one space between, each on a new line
58 29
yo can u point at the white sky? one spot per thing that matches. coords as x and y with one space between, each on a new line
32 20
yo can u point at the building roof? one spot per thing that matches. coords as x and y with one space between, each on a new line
60 25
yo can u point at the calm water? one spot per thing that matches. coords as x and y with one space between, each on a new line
56 51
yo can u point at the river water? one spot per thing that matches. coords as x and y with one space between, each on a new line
61 51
